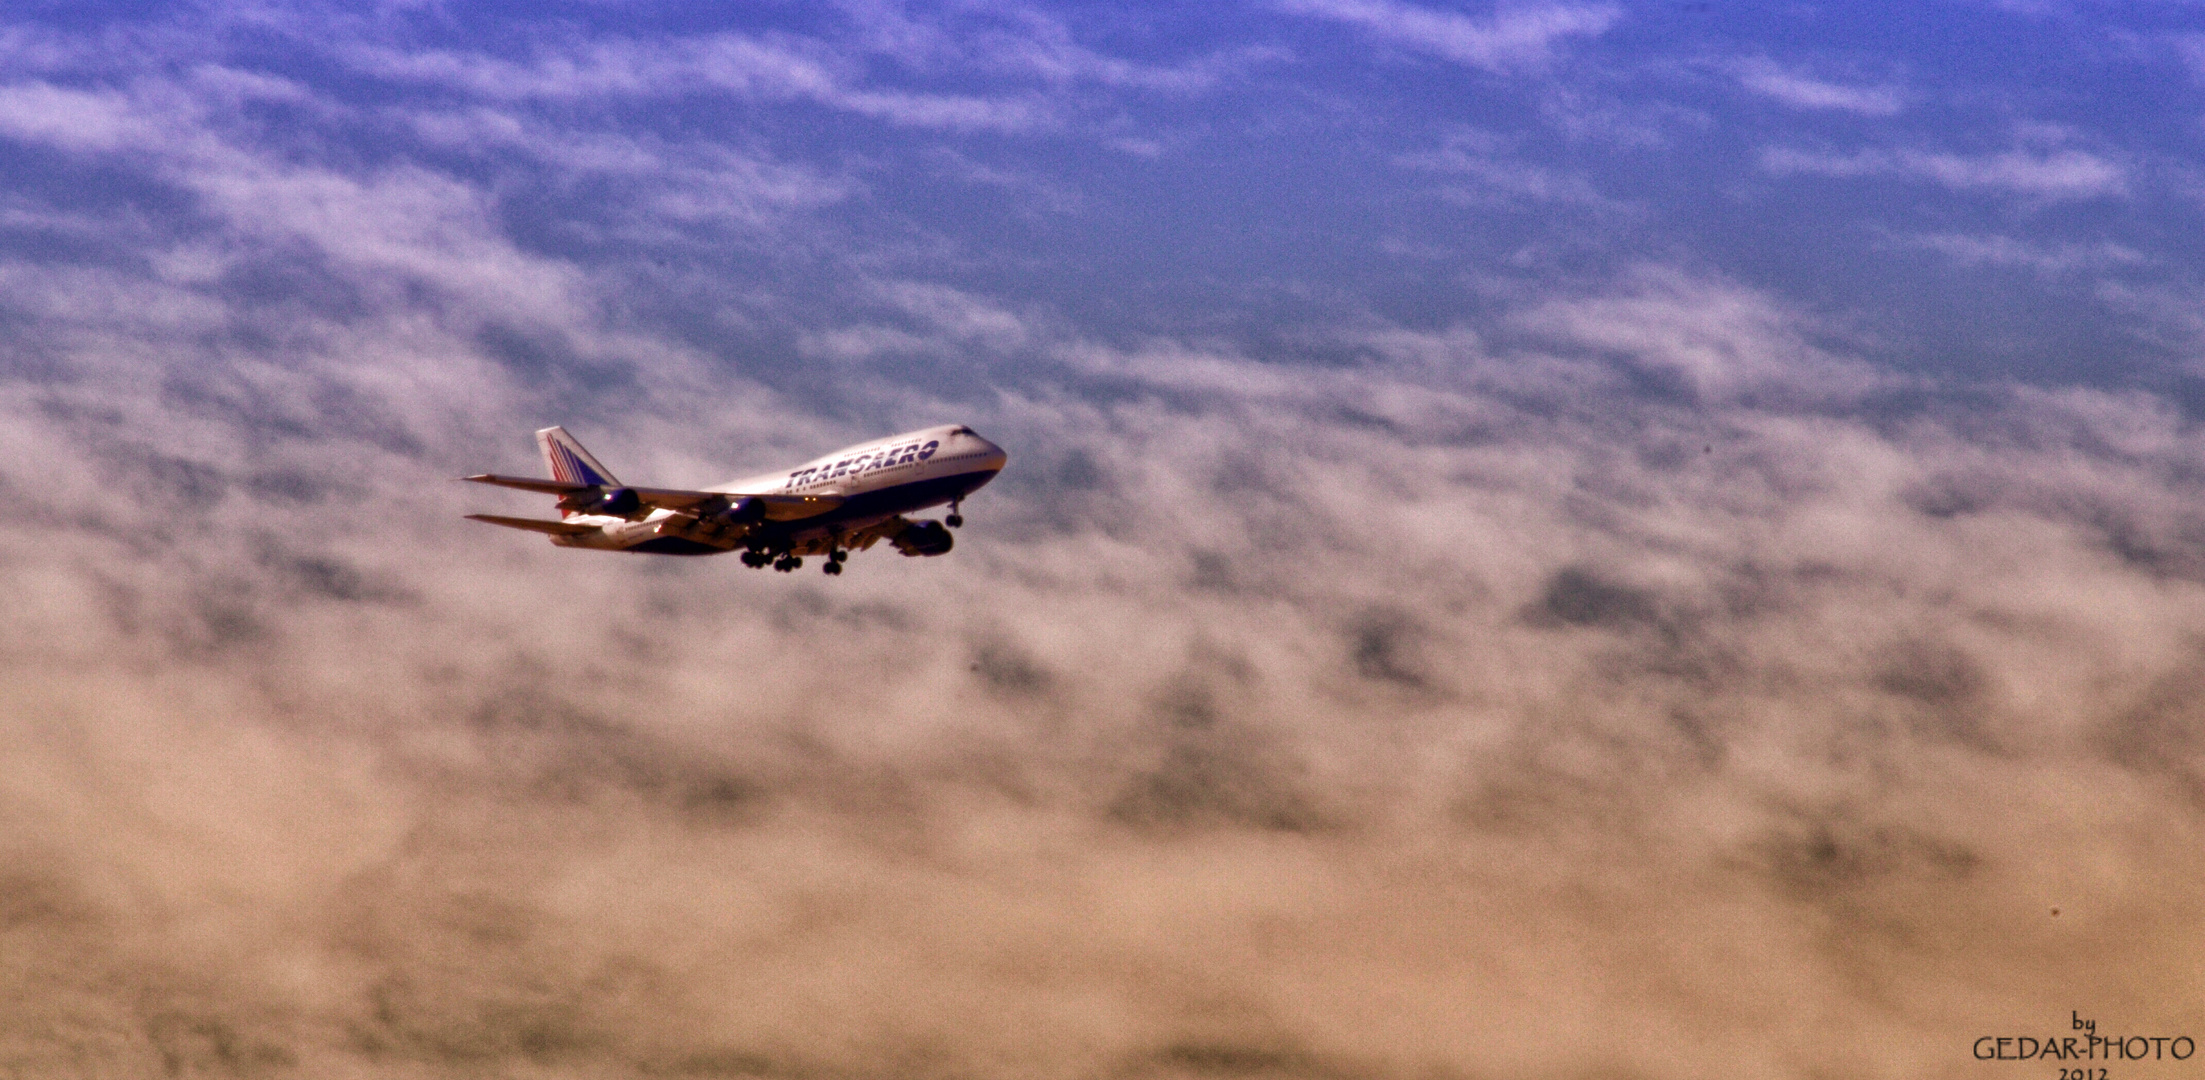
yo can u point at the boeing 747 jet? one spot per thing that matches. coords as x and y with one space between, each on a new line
846 501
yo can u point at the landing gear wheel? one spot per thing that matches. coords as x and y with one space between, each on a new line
838 556
834 568
787 563
954 520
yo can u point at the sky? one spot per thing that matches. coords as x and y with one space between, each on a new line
1551 540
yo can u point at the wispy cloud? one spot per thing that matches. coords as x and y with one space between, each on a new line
2171 314
1019 45
1790 87
2040 257
2041 174
1712 341
2191 48
71 119
689 182
731 64
1514 36
1486 172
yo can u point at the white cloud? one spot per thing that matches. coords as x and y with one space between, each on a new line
2043 258
403 221
71 119
1028 42
1488 174
28 48
1513 36
1223 688
2191 48
829 72
2073 174
2039 174
933 315
732 64
690 182
1772 80
231 87
2171 315
1718 341
1258 690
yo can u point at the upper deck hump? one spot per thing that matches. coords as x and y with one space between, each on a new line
873 456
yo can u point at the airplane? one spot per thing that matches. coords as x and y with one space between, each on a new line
845 501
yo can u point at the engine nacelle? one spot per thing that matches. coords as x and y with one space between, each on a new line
744 510
619 502
924 538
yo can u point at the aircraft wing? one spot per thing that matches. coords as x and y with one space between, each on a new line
778 507
789 507
555 528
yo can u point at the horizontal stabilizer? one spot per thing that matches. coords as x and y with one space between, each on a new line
548 487
555 528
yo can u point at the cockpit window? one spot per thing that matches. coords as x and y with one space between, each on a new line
960 431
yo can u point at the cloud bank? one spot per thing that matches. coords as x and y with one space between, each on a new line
1630 676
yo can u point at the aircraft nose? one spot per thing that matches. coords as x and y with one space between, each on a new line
991 455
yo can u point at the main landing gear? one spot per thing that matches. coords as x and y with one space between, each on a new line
783 561
954 519
787 563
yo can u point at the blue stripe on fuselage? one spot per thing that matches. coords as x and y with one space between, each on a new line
904 498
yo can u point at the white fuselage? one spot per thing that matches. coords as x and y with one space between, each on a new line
876 480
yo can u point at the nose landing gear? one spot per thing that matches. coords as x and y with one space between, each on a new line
954 519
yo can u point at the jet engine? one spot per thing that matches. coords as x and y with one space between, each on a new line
740 511
924 538
619 502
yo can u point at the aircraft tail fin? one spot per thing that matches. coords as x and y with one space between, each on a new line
569 462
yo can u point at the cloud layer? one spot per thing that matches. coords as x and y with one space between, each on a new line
1621 667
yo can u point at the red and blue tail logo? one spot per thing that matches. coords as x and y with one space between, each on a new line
569 462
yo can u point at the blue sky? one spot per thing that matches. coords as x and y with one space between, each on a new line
1979 190
1673 530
